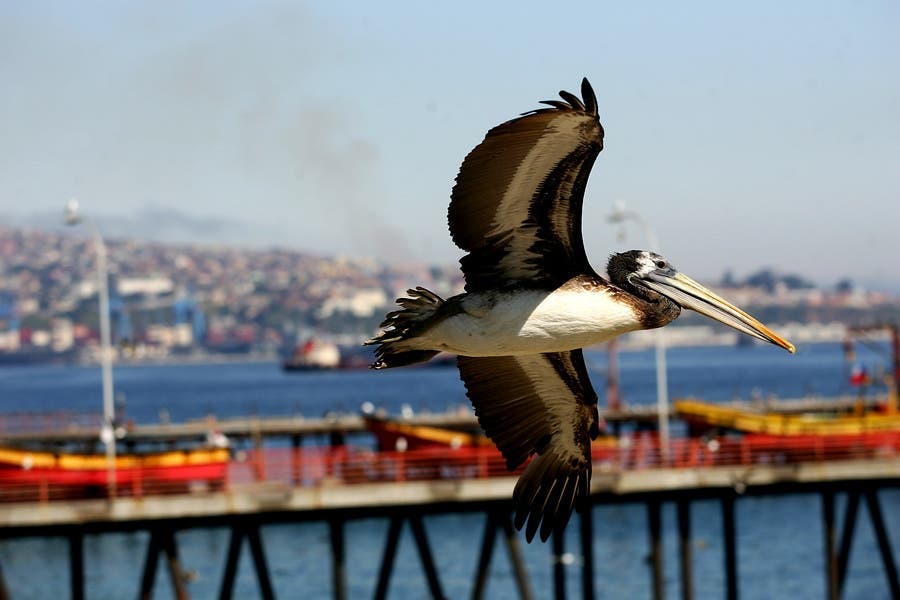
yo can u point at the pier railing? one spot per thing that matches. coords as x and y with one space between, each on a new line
29 422
348 465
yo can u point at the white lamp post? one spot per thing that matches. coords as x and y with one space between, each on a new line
619 215
107 431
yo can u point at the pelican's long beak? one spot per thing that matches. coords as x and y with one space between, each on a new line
690 294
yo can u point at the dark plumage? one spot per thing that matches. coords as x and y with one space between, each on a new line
532 301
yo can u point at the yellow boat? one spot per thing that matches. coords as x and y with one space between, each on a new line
707 415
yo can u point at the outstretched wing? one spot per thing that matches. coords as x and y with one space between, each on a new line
544 404
516 205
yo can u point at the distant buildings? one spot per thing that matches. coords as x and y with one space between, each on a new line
167 300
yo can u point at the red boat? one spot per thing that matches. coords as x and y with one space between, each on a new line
26 474
392 435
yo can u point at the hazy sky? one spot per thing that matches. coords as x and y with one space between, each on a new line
765 133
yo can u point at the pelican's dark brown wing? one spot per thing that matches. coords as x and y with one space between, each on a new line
516 205
544 404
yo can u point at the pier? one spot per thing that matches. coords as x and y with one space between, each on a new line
336 485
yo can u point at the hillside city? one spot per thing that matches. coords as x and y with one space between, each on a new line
198 302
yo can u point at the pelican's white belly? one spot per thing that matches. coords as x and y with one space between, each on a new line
530 322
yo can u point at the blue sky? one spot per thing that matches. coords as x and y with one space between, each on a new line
761 134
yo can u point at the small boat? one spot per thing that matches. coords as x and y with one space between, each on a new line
313 355
391 435
703 416
26 472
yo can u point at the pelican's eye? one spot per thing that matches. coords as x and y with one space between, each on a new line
661 264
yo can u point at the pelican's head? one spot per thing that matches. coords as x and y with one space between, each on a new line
652 277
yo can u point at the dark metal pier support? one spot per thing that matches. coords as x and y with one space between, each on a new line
484 557
559 568
587 552
76 564
684 549
836 562
494 522
338 559
884 544
731 575
515 555
163 540
4 591
387 557
832 589
238 533
390 553
431 575
654 527
846 539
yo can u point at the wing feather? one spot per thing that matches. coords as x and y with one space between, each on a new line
516 205
540 404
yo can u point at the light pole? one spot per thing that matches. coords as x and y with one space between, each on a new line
619 215
107 430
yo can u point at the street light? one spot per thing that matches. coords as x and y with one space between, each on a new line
620 215
107 431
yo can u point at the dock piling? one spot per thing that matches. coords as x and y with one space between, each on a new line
587 552
425 555
387 558
238 532
226 590
832 589
76 564
884 544
683 507
485 555
259 561
515 555
847 538
418 530
559 567
150 562
728 526
338 559
163 540
654 526
4 591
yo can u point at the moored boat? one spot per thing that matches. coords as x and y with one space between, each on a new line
77 474
313 355
391 435
703 416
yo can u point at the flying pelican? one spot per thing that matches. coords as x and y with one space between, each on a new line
532 302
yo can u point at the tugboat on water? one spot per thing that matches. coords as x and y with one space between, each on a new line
318 355
313 355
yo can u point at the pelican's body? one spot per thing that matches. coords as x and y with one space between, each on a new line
579 313
533 301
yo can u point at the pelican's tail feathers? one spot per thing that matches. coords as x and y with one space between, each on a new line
396 345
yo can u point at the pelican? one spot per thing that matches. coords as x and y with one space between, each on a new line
532 302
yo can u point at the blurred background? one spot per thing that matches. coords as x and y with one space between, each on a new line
184 187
